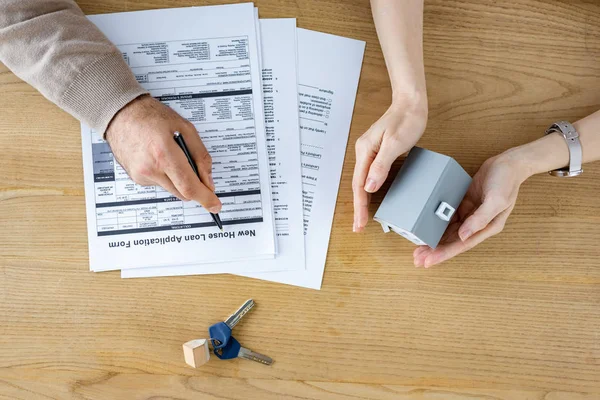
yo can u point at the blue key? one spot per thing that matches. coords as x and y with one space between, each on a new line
233 349
229 350
220 332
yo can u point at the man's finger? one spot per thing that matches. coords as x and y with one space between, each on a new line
199 154
163 181
380 167
179 171
482 216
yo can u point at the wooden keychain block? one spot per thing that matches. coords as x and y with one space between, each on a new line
196 352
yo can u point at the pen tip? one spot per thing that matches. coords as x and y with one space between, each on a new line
222 230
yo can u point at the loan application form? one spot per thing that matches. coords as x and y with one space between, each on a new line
202 62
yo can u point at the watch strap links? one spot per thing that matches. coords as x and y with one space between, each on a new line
571 136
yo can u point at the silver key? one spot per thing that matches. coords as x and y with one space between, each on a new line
235 318
253 356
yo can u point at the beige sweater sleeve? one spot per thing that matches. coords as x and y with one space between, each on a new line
51 45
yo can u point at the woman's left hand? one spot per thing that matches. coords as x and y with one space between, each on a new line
483 212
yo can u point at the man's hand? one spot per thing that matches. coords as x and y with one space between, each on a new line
141 139
395 133
482 213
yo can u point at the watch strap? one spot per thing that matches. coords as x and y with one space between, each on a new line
571 136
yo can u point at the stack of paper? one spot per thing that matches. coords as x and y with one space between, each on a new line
273 105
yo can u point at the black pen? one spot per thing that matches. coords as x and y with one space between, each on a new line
179 139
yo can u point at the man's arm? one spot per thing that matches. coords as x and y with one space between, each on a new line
51 45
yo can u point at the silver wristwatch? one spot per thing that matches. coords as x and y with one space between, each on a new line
571 135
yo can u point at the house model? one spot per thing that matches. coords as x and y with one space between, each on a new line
423 197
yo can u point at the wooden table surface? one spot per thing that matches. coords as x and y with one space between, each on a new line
516 318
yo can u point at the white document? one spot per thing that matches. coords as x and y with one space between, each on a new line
329 69
280 96
202 62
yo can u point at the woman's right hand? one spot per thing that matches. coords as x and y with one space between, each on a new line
395 133
484 209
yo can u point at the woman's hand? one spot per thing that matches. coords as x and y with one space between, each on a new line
482 213
400 30
395 133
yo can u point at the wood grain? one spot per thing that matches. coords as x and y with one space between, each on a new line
517 318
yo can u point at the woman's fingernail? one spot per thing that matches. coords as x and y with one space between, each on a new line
465 234
215 209
371 185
